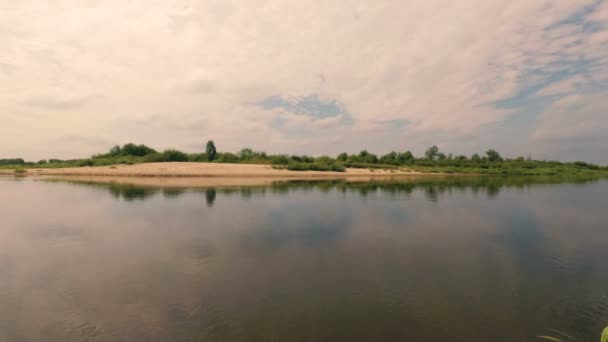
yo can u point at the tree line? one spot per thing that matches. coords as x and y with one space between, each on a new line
433 160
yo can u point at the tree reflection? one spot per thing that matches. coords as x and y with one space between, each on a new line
434 188
210 196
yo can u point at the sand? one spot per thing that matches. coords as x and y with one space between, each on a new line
206 170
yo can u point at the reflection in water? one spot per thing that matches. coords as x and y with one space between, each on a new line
210 196
445 259
433 187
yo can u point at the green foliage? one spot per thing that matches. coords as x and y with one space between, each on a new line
315 167
211 151
355 165
20 171
174 156
406 158
390 158
493 156
245 154
605 335
197 157
15 161
280 159
227 157
86 162
129 149
431 152
154 158
433 162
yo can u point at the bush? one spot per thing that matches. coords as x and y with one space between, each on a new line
20 171
154 158
356 165
280 159
227 157
294 166
197 157
86 162
16 161
131 149
174 156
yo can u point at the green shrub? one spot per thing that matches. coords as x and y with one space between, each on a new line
227 157
15 161
280 159
356 165
154 158
20 171
294 166
174 156
86 162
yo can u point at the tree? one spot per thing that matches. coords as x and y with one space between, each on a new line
246 154
389 158
174 156
405 158
475 157
343 157
431 152
366 157
441 156
115 151
211 151
493 155
131 149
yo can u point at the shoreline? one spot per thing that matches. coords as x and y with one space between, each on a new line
182 174
203 170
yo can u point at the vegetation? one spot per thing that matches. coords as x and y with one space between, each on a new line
434 161
211 150
15 161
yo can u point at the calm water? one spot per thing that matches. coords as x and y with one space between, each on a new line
458 259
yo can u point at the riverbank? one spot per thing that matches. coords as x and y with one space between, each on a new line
185 169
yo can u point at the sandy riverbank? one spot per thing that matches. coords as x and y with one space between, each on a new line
203 170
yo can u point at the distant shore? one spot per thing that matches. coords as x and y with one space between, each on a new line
185 169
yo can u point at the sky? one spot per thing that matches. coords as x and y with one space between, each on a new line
525 77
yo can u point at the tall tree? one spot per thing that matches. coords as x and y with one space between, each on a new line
493 155
211 151
431 152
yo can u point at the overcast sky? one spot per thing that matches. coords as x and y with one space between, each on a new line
526 77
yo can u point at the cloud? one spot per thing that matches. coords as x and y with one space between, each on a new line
172 74
312 105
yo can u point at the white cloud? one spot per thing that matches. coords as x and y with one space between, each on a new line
174 73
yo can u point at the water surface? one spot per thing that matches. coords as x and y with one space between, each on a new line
445 259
